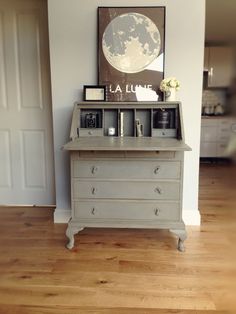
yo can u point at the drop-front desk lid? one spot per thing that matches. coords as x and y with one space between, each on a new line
126 144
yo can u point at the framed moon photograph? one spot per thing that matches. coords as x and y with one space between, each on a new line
131 49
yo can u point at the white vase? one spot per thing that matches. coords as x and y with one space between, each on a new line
171 94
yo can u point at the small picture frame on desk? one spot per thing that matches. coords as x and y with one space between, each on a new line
94 93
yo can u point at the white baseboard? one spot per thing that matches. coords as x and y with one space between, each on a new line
190 217
62 215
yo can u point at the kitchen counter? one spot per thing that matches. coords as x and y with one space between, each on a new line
224 116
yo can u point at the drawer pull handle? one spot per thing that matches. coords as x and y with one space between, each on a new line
94 169
90 132
94 190
156 170
157 211
93 211
233 127
158 190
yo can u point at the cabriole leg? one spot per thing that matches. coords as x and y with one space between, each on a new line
182 235
70 232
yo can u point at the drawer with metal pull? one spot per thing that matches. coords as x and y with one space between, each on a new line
224 134
223 138
221 149
208 133
233 128
128 210
90 132
126 169
159 190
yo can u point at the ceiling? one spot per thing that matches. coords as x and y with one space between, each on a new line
220 21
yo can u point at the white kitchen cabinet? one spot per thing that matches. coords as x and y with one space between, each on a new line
215 135
208 149
206 59
219 62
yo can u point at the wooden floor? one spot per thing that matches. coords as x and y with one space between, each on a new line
122 271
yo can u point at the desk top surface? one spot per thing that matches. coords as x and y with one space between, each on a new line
126 144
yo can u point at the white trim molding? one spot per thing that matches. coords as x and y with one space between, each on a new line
192 217
62 215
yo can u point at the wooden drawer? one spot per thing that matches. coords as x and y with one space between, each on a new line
208 149
210 122
233 128
223 137
208 134
128 210
91 132
172 133
160 190
225 123
221 149
125 169
224 130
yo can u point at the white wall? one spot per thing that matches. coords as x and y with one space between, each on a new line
73 52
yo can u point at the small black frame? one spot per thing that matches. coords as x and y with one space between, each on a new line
94 93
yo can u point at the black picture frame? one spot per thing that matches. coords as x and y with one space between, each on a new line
123 83
94 92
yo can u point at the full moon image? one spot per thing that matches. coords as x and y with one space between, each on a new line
131 42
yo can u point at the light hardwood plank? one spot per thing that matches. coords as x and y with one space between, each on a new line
123 271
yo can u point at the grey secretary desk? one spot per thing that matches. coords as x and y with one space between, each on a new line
130 179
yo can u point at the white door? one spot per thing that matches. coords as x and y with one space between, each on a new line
26 145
